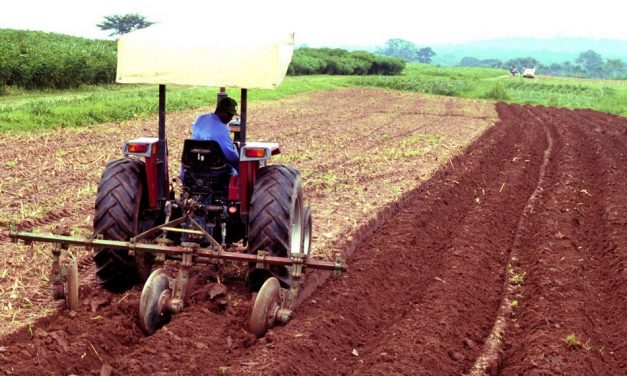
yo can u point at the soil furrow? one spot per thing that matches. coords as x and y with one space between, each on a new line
491 354
479 253
418 281
566 320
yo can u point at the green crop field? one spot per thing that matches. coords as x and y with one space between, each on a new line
34 59
495 84
23 110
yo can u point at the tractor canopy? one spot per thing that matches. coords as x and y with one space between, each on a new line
204 56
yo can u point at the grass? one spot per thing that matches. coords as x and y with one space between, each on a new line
573 342
22 110
494 84
515 278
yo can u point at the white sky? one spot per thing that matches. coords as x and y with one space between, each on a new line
339 22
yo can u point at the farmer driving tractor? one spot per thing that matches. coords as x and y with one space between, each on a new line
214 127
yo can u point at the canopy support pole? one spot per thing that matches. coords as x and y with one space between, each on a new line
243 110
162 184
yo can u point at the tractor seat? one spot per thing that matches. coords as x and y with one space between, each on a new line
204 167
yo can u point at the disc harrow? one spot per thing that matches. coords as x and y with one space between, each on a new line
163 295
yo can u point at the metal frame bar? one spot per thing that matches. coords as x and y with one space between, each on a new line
200 255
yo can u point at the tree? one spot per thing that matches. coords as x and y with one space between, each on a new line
469 61
615 68
404 49
592 62
122 24
492 63
424 55
520 62
400 48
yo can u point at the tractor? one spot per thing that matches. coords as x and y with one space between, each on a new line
529 72
257 217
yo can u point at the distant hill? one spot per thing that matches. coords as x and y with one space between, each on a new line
547 51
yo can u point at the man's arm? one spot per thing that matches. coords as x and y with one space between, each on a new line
228 148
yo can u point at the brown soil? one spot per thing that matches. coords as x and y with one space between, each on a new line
532 212
379 137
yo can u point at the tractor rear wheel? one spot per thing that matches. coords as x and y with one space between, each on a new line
117 217
276 221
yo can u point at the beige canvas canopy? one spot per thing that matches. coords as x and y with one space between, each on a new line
187 55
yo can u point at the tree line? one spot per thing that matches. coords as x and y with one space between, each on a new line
38 60
589 64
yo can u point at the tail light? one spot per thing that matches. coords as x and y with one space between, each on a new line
255 152
141 147
137 148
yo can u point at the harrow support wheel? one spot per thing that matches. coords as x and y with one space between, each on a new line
71 286
153 310
266 307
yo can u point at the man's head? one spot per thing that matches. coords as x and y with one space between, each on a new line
226 109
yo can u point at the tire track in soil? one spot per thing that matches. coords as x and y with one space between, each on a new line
28 224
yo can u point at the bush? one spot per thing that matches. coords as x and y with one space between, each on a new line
498 92
341 62
305 64
387 66
33 60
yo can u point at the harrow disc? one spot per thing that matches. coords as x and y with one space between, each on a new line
153 313
71 286
265 308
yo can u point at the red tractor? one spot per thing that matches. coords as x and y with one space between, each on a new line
257 217
262 208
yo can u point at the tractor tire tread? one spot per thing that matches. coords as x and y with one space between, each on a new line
115 219
270 222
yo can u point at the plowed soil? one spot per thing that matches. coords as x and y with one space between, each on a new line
507 259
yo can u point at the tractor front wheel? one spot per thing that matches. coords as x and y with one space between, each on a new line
276 221
117 217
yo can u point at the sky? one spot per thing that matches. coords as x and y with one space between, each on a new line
337 23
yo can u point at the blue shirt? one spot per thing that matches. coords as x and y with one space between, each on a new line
210 127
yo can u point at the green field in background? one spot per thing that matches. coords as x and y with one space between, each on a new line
22 110
498 85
